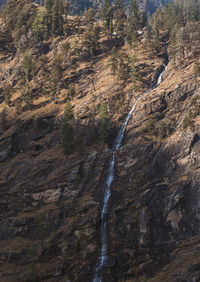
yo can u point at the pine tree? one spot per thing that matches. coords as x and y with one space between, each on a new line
28 66
135 12
54 21
156 44
123 67
133 24
114 61
91 39
26 94
106 14
40 24
119 18
90 18
133 70
56 77
67 136
60 17
49 4
104 122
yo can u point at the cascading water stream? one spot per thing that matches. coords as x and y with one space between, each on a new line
103 253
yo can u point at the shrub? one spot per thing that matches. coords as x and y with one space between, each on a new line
196 69
71 91
186 121
150 125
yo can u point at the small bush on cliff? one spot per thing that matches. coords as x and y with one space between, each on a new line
150 125
196 69
71 91
186 122
67 129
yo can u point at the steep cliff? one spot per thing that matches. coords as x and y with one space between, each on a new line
51 203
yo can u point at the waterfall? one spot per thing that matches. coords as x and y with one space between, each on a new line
103 257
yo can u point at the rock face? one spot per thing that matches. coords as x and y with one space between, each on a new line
155 200
50 204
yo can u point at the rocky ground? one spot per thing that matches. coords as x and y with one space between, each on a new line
50 204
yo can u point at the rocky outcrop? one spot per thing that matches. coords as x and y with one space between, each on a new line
154 211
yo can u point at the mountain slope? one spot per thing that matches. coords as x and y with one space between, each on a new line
149 6
79 83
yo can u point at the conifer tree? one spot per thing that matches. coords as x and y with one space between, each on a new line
54 19
104 122
107 15
91 35
49 4
90 18
60 17
40 24
133 70
67 136
26 94
123 67
133 24
119 17
134 12
56 77
28 66
114 61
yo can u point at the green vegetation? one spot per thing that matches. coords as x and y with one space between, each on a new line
114 61
134 75
180 22
91 40
107 16
119 18
71 91
104 122
186 121
56 77
32 28
28 66
194 110
124 67
67 136
150 125
26 95
196 69
40 24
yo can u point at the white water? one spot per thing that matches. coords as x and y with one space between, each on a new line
103 257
